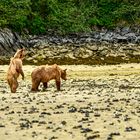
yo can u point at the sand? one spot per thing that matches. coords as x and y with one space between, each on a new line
96 102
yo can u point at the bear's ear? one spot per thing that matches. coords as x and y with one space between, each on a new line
65 69
23 49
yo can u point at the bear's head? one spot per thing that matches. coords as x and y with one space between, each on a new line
64 74
20 54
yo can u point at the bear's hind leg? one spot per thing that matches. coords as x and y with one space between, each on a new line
14 86
45 85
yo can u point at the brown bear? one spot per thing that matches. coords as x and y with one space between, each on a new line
46 73
15 69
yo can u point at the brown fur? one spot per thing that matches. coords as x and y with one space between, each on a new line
15 69
46 73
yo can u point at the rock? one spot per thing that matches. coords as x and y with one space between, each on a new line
108 37
118 38
130 129
92 47
63 122
94 136
42 122
35 121
53 137
72 109
82 53
86 130
25 124
70 56
1 125
10 41
76 127
97 115
45 113
125 30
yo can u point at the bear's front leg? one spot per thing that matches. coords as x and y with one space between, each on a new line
58 84
35 85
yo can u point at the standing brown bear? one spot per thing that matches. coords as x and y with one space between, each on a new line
15 69
46 73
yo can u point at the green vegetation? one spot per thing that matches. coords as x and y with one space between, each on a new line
67 16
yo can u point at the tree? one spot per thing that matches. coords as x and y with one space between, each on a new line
14 13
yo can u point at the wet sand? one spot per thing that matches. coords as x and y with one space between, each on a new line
96 102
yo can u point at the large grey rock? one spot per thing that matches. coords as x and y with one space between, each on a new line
10 42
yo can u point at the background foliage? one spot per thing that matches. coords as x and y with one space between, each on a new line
67 16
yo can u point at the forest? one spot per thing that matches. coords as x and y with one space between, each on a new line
67 16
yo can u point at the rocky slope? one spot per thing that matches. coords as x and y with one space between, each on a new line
99 47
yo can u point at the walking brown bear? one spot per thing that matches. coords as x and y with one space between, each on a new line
46 73
15 69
